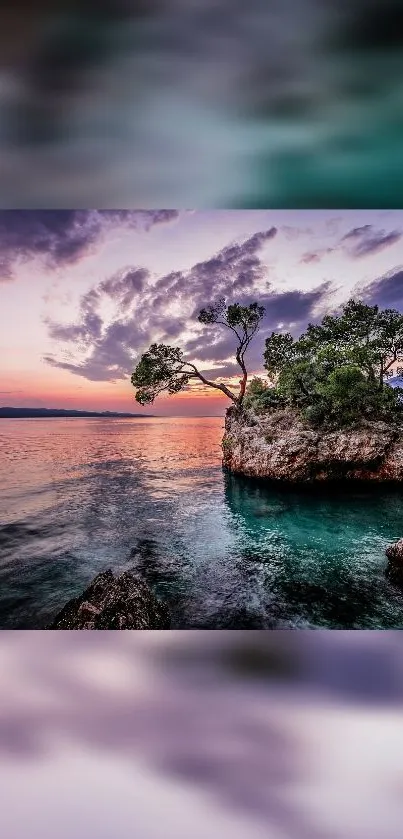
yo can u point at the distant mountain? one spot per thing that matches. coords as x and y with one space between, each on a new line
396 381
24 413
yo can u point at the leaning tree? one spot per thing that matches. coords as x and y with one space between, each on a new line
164 368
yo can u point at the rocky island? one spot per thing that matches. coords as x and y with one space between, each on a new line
327 411
280 446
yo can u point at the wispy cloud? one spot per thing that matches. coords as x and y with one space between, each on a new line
365 240
308 258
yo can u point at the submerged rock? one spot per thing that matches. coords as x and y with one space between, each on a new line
279 446
394 552
109 602
394 571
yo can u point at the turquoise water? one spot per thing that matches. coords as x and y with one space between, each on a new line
80 495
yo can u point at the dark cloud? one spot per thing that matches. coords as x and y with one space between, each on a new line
357 232
294 308
386 291
124 286
90 370
56 237
237 267
362 241
210 345
62 237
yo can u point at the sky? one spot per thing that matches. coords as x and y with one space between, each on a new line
84 292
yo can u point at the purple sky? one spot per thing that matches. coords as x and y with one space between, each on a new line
85 292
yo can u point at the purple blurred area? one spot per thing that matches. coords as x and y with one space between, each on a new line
219 734
208 103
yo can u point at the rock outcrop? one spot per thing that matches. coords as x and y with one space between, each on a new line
394 570
280 447
124 602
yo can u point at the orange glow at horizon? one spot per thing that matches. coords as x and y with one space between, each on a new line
60 389
109 396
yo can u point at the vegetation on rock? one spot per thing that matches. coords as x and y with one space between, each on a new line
336 372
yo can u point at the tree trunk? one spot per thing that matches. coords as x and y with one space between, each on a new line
243 382
244 379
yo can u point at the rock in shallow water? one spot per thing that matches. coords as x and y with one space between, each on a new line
124 602
394 571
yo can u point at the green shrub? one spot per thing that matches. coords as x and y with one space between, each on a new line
260 397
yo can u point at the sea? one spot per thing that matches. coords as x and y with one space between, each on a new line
78 496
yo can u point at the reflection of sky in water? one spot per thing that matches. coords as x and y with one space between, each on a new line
78 496
240 734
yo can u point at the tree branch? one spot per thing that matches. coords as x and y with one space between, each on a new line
205 381
224 323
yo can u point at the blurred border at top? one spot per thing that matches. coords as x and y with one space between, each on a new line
208 103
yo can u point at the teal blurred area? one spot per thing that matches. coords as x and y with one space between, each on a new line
178 734
208 103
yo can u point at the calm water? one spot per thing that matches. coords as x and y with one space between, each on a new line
78 495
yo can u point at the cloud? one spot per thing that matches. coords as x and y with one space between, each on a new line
365 240
166 311
124 286
357 243
293 233
141 309
111 356
63 237
307 258
386 291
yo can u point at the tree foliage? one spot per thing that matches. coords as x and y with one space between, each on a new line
260 397
164 368
337 371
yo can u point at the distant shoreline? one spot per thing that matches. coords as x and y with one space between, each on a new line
45 413
56 413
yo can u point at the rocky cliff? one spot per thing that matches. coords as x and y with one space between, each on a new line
279 446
